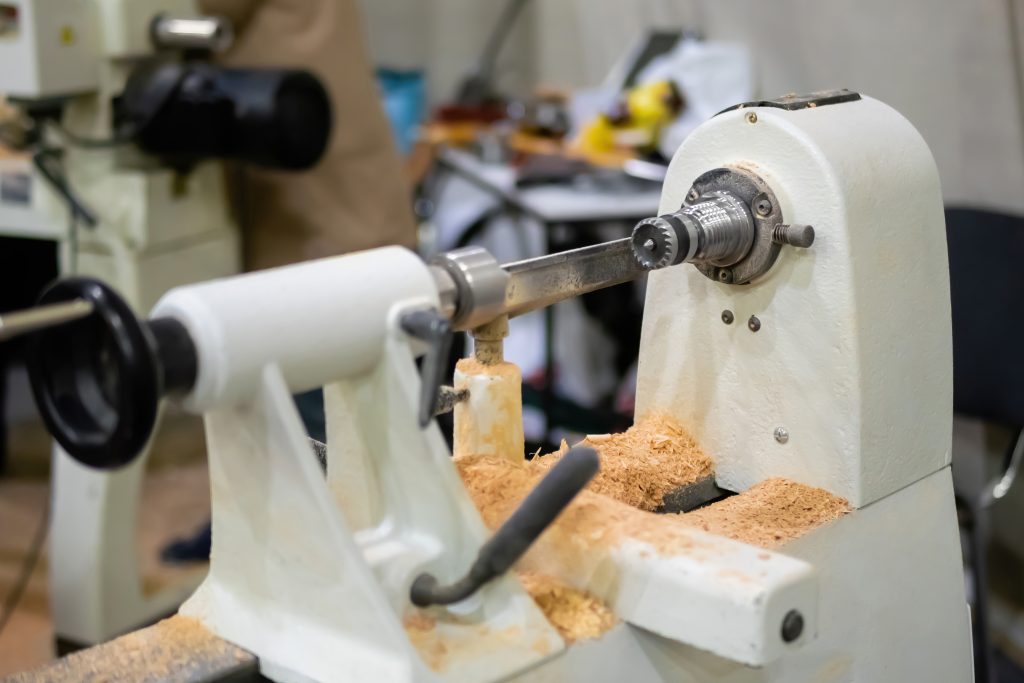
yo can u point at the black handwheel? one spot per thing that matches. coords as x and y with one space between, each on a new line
98 380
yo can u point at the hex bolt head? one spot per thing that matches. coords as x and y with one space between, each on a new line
792 626
752 117
781 434
727 317
754 324
763 207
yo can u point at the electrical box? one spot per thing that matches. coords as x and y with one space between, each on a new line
46 48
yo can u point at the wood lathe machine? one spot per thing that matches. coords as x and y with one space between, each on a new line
797 379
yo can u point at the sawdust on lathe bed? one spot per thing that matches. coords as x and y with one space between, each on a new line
576 614
617 507
421 628
641 465
770 513
179 648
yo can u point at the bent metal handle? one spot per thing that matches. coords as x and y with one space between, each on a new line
98 379
535 514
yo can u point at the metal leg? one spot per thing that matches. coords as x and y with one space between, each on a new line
978 533
548 394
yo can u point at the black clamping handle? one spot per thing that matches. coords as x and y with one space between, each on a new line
535 514
434 329
98 380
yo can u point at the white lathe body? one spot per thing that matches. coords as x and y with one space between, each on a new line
832 369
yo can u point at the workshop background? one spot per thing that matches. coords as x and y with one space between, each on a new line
954 69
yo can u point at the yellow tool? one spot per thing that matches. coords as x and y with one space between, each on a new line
636 122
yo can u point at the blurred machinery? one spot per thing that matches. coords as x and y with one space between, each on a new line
124 116
816 354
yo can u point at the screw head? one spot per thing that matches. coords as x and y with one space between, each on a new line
763 207
692 195
754 323
752 117
727 317
725 275
781 434
792 626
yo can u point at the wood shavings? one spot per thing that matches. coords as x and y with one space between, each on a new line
444 642
424 636
178 649
576 544
591 521
639 466
576 614
770 513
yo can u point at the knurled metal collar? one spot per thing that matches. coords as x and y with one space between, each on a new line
655 244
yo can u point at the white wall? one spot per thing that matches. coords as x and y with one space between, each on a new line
945 64
445 37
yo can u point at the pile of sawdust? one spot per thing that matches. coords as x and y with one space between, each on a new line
592 520
638 467
576 614
767 515
179 648
770 513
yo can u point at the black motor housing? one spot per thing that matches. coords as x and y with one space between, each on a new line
185 112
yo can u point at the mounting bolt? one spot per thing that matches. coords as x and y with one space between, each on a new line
692 195
727 317
754 323
751 117
781 434
725 275
793 235
764 207
792 625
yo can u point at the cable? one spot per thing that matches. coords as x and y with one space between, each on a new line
122 138
476 87
501 31
55 176
28 566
